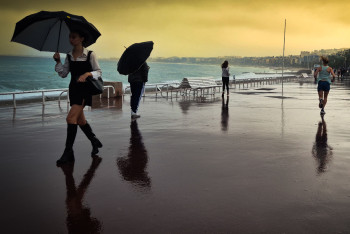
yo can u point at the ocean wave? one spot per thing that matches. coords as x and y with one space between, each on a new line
23 74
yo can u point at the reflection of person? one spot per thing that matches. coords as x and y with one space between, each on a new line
185 105
137 82
79 218
224 115
132 167
81 63
225 77
324 82
321 150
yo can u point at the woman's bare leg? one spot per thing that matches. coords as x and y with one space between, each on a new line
74 114
320 97
81 119
325 98
320 94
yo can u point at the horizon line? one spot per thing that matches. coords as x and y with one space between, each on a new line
219 56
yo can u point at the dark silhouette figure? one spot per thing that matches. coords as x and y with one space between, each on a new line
132 167
185 105
321 151
224 115
79 218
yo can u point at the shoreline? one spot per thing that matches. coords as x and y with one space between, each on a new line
235 65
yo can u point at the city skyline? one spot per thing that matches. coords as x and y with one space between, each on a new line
318 52
199 28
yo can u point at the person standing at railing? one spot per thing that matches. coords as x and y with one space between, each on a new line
137 82
81 63
324 82
225 77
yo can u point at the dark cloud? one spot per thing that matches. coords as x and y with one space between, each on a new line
183 25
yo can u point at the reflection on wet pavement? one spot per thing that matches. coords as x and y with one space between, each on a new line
133 166
253 166
224 114
321 151
79 218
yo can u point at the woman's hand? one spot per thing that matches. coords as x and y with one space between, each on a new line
83 77
57 57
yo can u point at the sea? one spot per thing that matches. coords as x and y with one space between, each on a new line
19 74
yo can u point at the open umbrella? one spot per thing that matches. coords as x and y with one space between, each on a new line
134 56
49 31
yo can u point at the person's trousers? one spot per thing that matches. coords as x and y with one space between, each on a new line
137 89
225 81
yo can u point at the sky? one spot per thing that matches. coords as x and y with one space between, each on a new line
195 28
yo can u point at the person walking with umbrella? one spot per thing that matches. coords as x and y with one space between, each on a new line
133 63
62 32
137 82
81 63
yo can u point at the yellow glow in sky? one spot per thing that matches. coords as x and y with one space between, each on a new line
199 28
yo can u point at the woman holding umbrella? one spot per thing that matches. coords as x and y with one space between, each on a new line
60 31
81 63
133 63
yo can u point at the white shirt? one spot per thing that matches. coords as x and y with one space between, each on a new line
225 72
63 70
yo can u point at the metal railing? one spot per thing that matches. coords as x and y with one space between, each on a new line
107 87
43 91
201 87
157 87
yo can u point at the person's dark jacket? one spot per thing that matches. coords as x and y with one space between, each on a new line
140 75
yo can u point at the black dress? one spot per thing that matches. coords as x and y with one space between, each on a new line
78 91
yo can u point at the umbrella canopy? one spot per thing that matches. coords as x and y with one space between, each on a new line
49 31
134 56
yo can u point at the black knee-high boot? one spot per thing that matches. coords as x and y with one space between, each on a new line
92 137
68 154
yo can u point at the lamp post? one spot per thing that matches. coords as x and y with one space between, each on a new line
284 46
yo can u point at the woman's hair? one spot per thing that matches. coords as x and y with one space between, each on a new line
325 60
81 34
225 64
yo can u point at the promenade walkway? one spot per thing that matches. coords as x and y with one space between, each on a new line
259 163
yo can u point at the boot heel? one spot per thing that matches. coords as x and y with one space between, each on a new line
96 143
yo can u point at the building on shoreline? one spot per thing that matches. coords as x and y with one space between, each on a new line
306 59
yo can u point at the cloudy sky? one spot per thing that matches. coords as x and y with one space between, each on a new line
200 28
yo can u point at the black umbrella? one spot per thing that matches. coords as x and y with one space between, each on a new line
134 56
49 31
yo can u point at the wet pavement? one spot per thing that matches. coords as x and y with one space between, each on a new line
259 162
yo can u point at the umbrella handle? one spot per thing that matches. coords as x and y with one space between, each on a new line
59 35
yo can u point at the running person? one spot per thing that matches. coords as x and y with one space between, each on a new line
324 82
81 63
